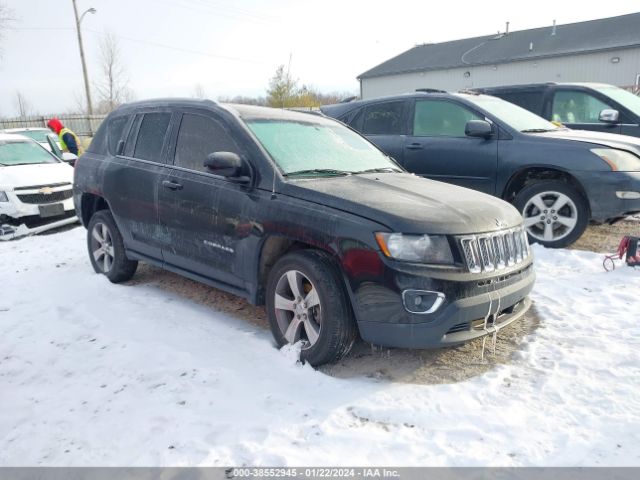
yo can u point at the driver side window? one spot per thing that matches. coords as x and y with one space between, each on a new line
571 106
439 118
198 137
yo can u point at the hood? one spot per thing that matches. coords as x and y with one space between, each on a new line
35 175
407 203
611 140
55 124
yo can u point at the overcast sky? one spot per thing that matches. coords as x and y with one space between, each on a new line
233 47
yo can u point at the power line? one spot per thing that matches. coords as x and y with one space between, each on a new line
146 42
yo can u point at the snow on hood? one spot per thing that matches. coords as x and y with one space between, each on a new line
37 174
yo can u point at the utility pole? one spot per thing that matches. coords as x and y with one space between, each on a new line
84 64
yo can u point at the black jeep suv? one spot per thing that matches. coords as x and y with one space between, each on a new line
305 215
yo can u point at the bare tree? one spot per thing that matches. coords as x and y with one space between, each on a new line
24 107
198 91
113 86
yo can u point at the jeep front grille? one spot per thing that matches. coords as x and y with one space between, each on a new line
496 250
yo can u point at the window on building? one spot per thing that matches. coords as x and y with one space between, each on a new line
198 137
384 119
151 136
573 106
439 118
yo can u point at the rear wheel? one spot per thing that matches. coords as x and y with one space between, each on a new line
106 248
555 213
306 303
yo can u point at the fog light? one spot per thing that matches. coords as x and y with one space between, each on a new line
422 301
628 195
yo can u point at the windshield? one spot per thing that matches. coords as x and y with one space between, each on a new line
23 153
318 148
38 135
623 97
514 116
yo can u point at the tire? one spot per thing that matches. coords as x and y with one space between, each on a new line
106 248
324 321
549 226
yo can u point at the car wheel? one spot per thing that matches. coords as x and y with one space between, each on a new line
555 214
106 248
306 302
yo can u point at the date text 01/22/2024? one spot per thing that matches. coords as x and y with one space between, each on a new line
312 473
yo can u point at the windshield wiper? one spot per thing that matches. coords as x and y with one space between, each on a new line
312 171
538 130
380 170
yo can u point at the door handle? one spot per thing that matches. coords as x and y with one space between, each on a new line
171 185
414 146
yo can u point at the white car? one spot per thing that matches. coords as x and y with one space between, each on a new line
36 188
44 137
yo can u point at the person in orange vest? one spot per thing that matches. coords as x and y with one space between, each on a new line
69 141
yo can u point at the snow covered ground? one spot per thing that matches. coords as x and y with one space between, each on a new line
98 374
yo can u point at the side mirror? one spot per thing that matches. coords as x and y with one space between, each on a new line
226 164
609 115
478 128
70 158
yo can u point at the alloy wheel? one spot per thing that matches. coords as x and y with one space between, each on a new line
102 247
550 216
297 308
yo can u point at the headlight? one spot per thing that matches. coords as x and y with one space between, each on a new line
618 160
415 248
3 197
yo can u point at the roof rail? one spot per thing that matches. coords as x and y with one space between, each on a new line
430 90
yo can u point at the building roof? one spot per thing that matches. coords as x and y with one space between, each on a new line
571 38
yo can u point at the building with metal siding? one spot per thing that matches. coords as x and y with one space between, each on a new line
605 50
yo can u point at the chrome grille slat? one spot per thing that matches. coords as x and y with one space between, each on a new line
495 251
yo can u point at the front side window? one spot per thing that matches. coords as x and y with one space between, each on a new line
439 118
323 146
623 97
23 153
151 136
512 115
383 119
198 137
572 106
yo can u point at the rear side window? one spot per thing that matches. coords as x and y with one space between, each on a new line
198 137
438 118
531 101
151 136
116 131
384 119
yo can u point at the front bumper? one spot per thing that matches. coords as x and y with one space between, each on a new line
19 218
601 188
503 299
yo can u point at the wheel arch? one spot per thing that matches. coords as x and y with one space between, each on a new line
274 247
527 175
90 203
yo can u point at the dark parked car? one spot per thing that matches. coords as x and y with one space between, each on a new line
581 106
557 178
301 213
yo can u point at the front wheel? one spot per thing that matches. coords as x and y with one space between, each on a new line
555 214
106 248
306 303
